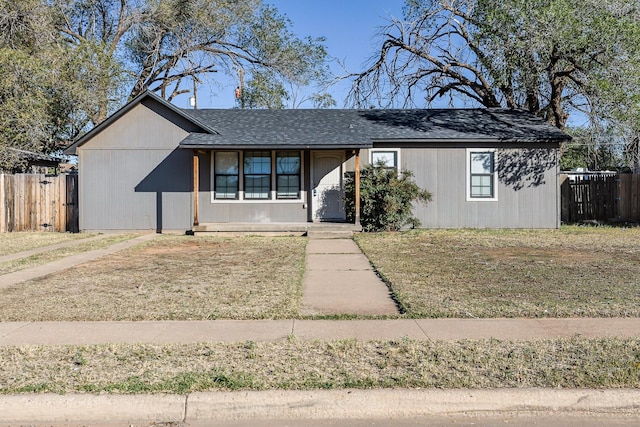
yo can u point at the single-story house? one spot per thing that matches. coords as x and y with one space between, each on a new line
152 165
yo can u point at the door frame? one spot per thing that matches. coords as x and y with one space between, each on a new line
340 154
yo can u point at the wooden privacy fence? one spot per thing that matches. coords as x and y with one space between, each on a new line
600 198
36 202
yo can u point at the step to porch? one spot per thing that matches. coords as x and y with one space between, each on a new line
323 234
310 229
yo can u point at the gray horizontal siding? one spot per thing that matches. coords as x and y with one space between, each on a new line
133 176
527 188
135 190
253 212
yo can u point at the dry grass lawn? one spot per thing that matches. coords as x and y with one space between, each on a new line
292 364
78 247
11 243
171 277
574 271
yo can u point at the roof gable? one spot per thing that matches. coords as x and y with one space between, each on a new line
202 127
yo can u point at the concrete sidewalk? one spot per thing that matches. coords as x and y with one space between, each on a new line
182 332
340 280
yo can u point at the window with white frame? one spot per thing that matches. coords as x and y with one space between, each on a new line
226 175
389 157
256 175
481 175
287 175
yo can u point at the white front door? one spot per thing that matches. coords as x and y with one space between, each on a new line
327 186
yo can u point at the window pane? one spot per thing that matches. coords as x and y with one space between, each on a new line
288 163
482 186
389 158
256 186
288 186
226 175
226 163
481 163
226 186
257 162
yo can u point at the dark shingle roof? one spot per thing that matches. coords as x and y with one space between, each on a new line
360 128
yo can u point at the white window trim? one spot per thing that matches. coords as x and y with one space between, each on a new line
272 194
468 175
377 150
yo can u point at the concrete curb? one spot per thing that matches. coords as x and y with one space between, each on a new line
54 408
310 405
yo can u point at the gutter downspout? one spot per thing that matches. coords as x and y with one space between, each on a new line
196 185
357 185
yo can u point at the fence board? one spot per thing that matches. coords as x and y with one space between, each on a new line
36 202
601 198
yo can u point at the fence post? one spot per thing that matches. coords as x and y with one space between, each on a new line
3 227
71 202
565 193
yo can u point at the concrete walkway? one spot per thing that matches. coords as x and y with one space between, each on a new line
68 262
42 249
340 280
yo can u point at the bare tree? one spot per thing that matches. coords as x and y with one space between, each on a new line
169 46
551 57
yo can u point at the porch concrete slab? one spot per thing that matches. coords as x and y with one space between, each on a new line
391 329
346 292
335 246
337 262
71 261
144 332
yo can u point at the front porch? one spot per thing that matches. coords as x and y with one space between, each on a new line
295 191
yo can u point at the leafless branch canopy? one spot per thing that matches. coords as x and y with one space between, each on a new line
497 53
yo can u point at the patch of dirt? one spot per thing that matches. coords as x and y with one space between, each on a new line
185 246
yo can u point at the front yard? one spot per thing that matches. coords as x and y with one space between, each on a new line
568 272
170 278
571 272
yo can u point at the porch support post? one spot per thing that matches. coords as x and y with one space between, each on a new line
196 186
357 185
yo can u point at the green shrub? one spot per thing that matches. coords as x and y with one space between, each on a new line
386 198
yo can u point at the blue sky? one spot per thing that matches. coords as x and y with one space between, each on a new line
349 27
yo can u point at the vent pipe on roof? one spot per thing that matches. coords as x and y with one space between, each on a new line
193 101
